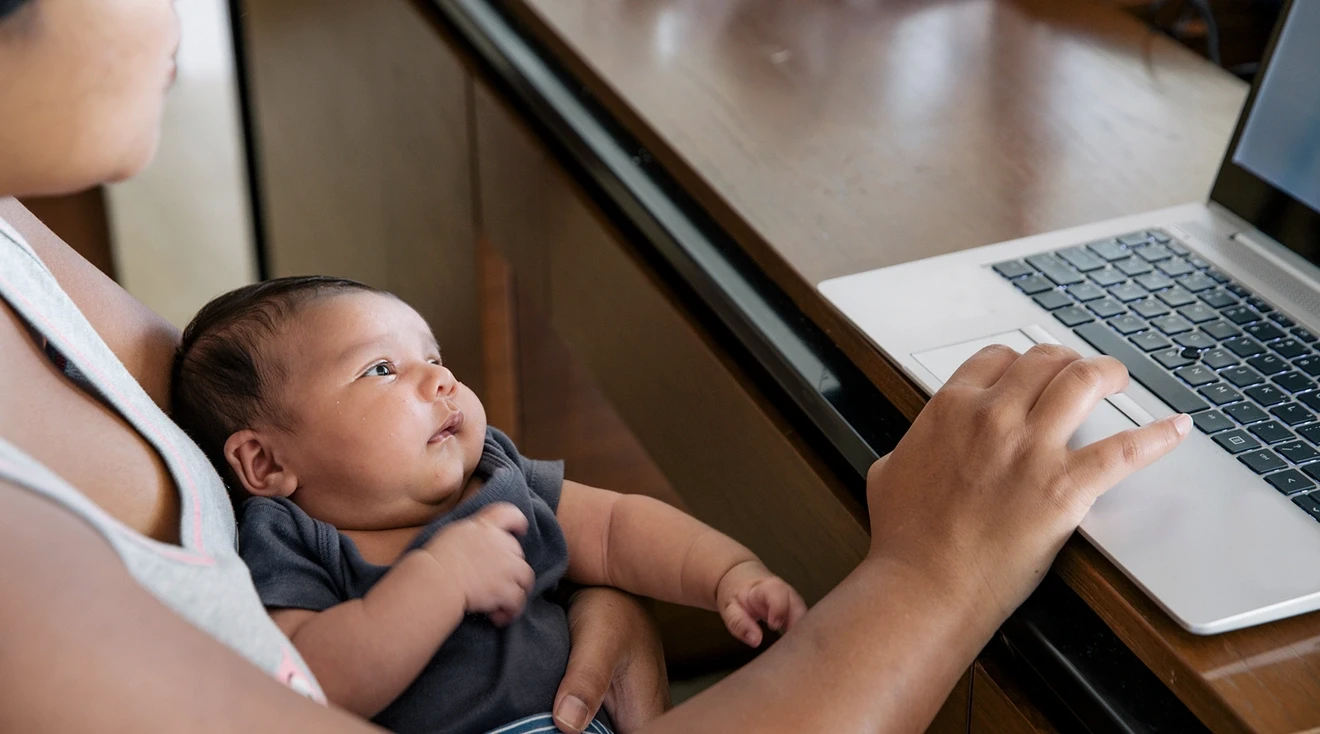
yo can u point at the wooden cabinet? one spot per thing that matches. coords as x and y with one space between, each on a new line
725 452
364 157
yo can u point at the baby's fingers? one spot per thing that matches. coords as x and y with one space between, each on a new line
741 624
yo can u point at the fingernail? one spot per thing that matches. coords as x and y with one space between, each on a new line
572 713
1183 424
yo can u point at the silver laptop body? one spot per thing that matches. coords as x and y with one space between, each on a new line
1208 537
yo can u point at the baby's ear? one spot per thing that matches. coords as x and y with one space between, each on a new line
251 457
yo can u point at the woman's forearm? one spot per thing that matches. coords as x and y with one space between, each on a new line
879 653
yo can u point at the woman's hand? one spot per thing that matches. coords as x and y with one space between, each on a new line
616 659
983 490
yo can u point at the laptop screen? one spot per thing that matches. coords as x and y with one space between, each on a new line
1271 176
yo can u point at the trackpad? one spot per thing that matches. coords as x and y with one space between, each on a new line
1105 420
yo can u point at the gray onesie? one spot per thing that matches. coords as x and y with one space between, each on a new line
482 676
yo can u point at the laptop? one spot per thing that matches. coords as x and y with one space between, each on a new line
1215 310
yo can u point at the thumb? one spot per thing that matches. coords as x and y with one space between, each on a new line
582 691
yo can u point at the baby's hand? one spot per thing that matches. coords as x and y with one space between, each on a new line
748 594
481 557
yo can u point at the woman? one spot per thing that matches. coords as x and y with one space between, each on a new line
122 608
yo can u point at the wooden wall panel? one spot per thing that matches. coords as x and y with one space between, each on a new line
361 121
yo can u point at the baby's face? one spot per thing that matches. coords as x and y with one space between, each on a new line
384 436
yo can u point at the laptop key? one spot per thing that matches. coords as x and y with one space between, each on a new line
1134 238
1237 290
1033 284
1218 277
1269 364
1220 329
1106 307
1310 365
1151 253
1235 442
1243 347
1012 269
1297 452
1242 376
1133 266
1305 502
1292 414
1281 320
1218 299
1107 277
1195 340
1175 267
1294 382
1176 297
1197 375
1081 258
1197 282
1198 313
1149 308
1086 292
1240 315
1149 341
1212 421
1159 236
1303 335
1288 348
1128 324
1271 432
1061 274
1245 413
1073 315
1109 249
1310 400
1262 461
1266 395
1263 331
1127 292
1218 358
1164 385
1258 304
1172 358
1172 324
1310 433
1052 299
1220 394
1290 482
1154 281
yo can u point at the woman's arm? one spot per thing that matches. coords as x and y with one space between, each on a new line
966 515
143 341
87 649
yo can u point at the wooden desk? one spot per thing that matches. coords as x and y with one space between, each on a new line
819 139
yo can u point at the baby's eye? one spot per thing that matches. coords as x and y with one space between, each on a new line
433 360
384 369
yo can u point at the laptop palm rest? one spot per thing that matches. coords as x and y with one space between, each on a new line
1104 421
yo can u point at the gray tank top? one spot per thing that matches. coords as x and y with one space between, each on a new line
202 579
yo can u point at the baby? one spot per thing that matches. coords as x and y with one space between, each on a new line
406 548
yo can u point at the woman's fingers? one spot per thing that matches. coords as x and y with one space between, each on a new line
984 368
1105 463
1027 378
1073 393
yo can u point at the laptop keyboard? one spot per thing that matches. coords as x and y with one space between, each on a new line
1207 346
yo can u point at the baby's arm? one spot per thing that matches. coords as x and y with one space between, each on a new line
365 652
644 546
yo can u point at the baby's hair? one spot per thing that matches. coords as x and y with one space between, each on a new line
221 381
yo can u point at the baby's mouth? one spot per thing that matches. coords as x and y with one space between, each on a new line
451 426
